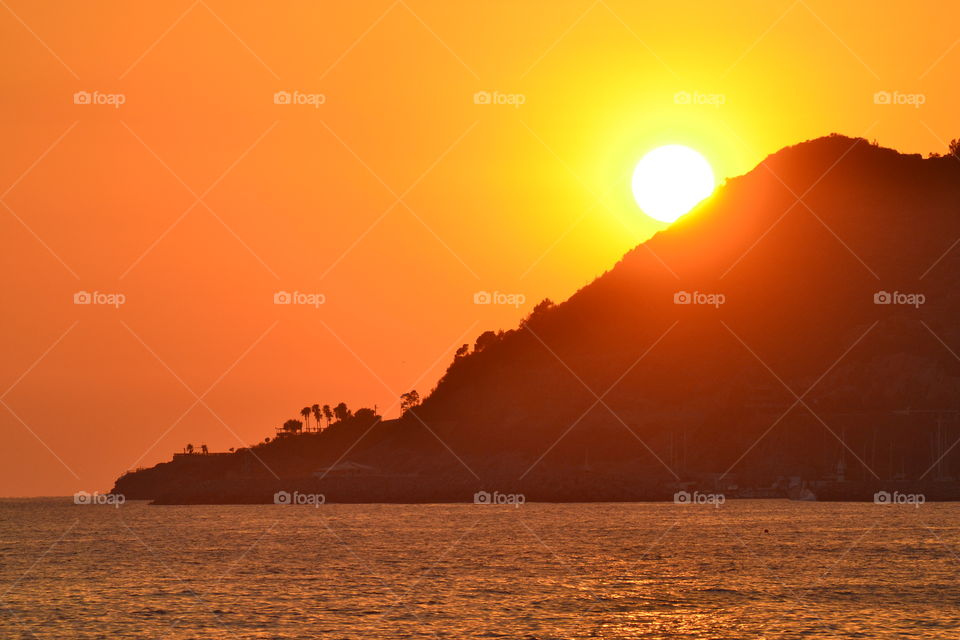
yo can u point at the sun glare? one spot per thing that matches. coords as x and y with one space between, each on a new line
671 180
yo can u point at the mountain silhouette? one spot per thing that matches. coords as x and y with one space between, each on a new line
798 326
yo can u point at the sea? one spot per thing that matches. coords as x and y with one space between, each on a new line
731 570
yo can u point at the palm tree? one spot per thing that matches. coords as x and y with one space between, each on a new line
317 414
204 450
305 412
328 414
189 448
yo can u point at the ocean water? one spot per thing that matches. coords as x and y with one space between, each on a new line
479 571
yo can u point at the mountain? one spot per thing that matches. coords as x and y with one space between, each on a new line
801 323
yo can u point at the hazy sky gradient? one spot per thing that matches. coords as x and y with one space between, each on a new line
398 198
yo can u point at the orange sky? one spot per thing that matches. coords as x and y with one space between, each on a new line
397 198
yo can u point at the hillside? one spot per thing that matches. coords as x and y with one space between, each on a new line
798 373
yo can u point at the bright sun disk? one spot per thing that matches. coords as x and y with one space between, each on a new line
671 180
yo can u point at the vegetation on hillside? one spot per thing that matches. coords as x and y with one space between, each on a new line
800 372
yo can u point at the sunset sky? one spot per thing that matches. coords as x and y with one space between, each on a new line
392 192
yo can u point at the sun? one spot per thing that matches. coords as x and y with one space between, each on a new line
671 180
